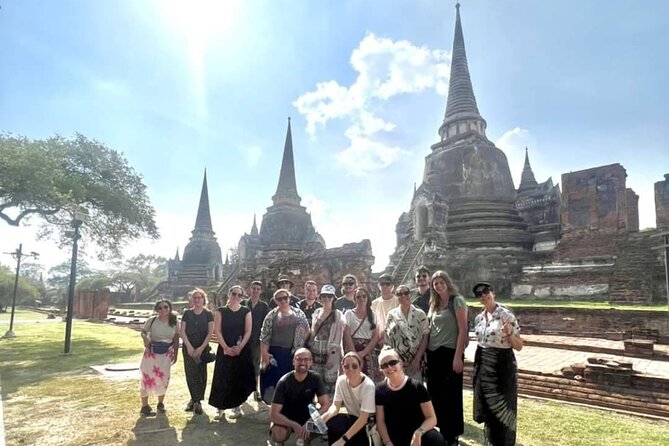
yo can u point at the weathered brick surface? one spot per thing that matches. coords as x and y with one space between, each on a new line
662 202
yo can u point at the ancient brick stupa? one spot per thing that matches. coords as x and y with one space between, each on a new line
288 244
201 263
462 217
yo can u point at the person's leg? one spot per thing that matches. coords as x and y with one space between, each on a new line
191 372
279 434
338 425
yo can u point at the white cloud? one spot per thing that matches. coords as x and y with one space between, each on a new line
386 69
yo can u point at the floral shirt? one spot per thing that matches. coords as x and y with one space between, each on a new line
405 333
270 324
488 327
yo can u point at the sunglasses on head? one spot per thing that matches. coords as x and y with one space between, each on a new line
353 366
281 298
391 363
402 293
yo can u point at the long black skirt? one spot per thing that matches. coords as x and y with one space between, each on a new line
234 379
496 394
445 389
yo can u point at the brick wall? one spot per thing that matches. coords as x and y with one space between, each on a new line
662 202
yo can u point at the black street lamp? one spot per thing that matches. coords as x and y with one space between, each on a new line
77 221
18 254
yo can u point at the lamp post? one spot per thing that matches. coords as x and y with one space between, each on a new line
77 221
18 254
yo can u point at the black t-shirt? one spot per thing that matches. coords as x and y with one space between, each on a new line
343 304
258 313
308 312
401 408
295 396
197 325
422 301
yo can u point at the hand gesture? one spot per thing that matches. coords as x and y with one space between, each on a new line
507 329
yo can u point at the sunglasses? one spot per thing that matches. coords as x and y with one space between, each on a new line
353 366
385 283
391 363
402 293
234 294
197 296
361 296
163 307
421 276
349 283
326 296
281 298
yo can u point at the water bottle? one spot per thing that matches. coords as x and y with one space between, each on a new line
318 421
299 442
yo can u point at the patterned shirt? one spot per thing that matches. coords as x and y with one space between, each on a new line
405 333
488 327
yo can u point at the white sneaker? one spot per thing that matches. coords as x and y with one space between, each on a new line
220 415
235 413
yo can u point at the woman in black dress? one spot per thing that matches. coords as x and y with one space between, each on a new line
234 379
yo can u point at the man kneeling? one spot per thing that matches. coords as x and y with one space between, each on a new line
293 394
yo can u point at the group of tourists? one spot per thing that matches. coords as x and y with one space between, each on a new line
395 363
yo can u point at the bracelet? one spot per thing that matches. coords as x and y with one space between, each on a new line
345 438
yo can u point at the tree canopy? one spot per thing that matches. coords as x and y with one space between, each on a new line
55 177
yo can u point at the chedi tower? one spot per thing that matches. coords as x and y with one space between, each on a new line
462 217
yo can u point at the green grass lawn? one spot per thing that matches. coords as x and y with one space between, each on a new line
53 399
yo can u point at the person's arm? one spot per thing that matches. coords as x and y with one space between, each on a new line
175 344
146 332
354 429
219 333
332 411
461 316
348 340
184 337
248 326
429 423
414 366
324 402
265 338
381 426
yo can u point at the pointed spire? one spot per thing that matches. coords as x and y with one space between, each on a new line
227 258
461 104
176 256
254 228
286 190
203 219
527 180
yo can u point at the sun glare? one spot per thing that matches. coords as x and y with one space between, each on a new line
199 22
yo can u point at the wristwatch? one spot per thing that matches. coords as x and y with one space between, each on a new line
345 438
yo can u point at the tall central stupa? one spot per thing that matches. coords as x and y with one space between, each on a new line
462 217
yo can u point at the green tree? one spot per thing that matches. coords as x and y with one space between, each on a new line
55 177
139 275
26 293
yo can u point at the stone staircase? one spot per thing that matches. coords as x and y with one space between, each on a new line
636 269
404 268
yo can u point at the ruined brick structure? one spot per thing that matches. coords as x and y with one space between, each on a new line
662 202
288 244
201 264
463 216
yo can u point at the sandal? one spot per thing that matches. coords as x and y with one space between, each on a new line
160 407
146 411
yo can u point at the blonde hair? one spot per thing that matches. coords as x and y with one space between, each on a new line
435 302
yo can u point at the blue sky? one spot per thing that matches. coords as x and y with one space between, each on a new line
183 86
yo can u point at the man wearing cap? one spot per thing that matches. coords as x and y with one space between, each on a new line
309 304
347 300
285 283
382 305
422 292
259 310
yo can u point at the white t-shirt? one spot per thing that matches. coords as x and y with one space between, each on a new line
381 308
365 331
356 399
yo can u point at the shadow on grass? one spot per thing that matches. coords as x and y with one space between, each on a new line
154 431
27 361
